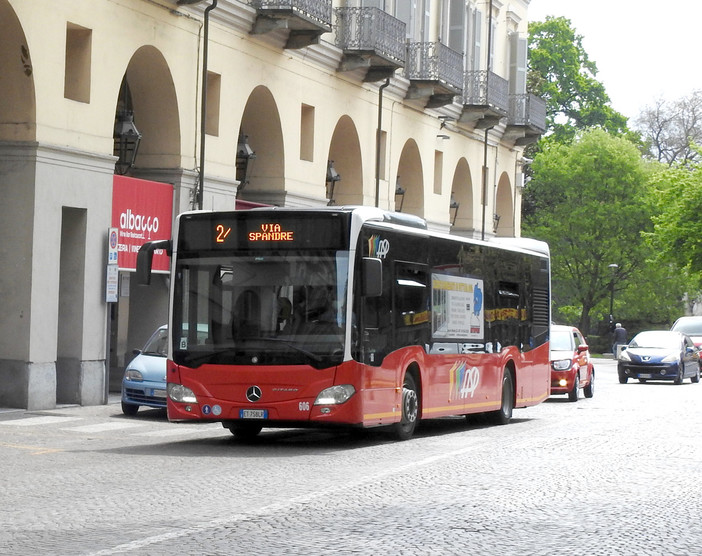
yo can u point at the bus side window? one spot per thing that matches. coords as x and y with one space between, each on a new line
411 304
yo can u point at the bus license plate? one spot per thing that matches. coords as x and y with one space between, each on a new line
253 414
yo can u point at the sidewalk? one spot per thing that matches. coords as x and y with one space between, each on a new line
113 398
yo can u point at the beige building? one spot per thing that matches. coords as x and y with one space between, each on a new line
411 105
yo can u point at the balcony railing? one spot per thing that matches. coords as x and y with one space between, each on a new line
527 118
485 98
306 19
434 70
371 31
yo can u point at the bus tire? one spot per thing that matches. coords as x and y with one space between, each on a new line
410 409
246 431
503 415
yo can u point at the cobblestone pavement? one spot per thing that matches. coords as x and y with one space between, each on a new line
615 474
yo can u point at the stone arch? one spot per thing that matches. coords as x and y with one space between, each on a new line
18 106
345 151
504 207
260 122
410 179
462 193
153 98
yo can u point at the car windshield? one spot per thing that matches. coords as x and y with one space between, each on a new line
157 344
562 340
692 327
661 340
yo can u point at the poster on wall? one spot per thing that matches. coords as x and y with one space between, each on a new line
457 307
142 211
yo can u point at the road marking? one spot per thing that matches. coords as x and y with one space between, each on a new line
170 432
103 427
35 421
35 450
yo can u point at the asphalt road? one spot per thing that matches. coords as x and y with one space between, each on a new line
615 474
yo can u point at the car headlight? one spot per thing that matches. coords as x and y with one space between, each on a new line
179 393
672 358
335 395
134 375
562 364
624 356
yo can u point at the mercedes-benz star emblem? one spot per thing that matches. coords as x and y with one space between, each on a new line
253 394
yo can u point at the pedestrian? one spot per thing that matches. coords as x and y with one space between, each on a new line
619 337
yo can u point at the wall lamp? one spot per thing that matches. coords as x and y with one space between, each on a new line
125 134
127 139
331 179
399 192
495 222
244 160
454 205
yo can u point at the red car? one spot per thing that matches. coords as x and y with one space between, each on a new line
571 365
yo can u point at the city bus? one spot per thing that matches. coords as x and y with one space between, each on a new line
349 317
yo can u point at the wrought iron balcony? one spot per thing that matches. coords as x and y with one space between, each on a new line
306 19
372 39
435 72
485 98
526 121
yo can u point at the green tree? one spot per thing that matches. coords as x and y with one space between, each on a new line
678 227
591 202
561 73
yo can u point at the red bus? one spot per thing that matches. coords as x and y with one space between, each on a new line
353 317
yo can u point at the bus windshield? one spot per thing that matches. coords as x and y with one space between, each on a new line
277 307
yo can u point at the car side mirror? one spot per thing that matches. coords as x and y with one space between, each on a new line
582 348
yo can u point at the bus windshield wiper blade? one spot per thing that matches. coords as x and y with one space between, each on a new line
309 354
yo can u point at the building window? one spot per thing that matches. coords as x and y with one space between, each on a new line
214 88
438 171
78 55
307 133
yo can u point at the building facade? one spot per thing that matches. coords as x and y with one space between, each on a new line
412 105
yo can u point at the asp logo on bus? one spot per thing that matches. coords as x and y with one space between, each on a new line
378 248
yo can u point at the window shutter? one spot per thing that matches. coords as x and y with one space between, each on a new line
517 64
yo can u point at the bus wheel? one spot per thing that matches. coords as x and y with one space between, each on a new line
503 415
245 431
410 409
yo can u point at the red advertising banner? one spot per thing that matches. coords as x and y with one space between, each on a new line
141 211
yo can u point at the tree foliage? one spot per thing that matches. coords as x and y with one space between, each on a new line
678 227
671 129
591 203
561 73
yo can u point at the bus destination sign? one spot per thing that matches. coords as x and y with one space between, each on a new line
255 231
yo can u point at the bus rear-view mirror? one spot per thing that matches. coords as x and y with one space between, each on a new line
372 277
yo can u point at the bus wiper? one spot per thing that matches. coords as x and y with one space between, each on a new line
289 344
199 359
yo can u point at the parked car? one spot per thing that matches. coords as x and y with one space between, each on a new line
659 355
692 326
571 366
144 381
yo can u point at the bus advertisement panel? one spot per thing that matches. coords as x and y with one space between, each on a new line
350 317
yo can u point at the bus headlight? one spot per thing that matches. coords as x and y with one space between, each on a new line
179 393
335 395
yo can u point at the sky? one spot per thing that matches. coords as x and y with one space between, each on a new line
644 49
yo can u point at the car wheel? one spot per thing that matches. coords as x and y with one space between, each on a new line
410 409
696 377
681 374
245 431
503 415
129 409
589 390
575 392
623 379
